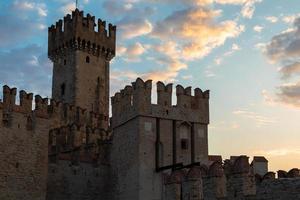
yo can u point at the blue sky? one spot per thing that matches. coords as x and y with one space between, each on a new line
247 52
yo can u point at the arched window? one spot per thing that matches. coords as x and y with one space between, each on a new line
87 59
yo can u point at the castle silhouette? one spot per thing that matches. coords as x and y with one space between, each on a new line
71 149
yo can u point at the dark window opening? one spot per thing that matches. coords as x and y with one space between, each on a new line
87 59
63 89
184 144
65 61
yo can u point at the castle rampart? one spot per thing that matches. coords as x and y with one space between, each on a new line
77 32
64 148
135 100
69 135
161 136
214 181
23 147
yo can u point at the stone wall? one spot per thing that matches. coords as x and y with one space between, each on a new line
78 182
279 189
81 57
125 163
159 135
23 148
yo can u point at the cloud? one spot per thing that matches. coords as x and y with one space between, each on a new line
40 8
13 29
25 67
289 70
272 19
132 52
117 8
289 94
20 21
258 28
234 48
268 98
196 27
190 34
280 152
131 28
68 7
259 119
285 47
249 8
290 19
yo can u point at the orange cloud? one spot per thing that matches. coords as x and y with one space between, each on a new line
191 34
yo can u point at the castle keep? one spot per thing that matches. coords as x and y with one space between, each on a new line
68 148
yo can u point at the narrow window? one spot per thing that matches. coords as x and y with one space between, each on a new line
65 61
184 137
184 144
87 59
63 89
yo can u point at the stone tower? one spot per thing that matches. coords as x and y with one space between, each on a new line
81 57
151 140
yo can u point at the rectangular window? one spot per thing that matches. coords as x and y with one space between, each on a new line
184 144
148 126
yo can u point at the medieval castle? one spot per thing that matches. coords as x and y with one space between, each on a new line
70 149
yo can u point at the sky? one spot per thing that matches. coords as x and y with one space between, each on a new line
246 52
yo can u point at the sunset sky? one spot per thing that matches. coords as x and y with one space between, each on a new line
247 52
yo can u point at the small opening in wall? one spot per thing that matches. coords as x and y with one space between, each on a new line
65 61
63 89
87 59
17 165
184 144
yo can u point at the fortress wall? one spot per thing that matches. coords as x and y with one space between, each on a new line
83 181
23 148
136 100
125 163
279 189
165 135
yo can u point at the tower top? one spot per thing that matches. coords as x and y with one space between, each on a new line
77 32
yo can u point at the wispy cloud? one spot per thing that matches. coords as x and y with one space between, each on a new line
26 66
279 152
272 19
191 34
259 119
132 52
136 27
249 8
284 49
258 28
40 8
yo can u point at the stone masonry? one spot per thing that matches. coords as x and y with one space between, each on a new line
67 148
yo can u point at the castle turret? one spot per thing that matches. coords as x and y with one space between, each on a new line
81 57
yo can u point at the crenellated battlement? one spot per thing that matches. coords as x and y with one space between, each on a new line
78 32
56 112
136 100
213 180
